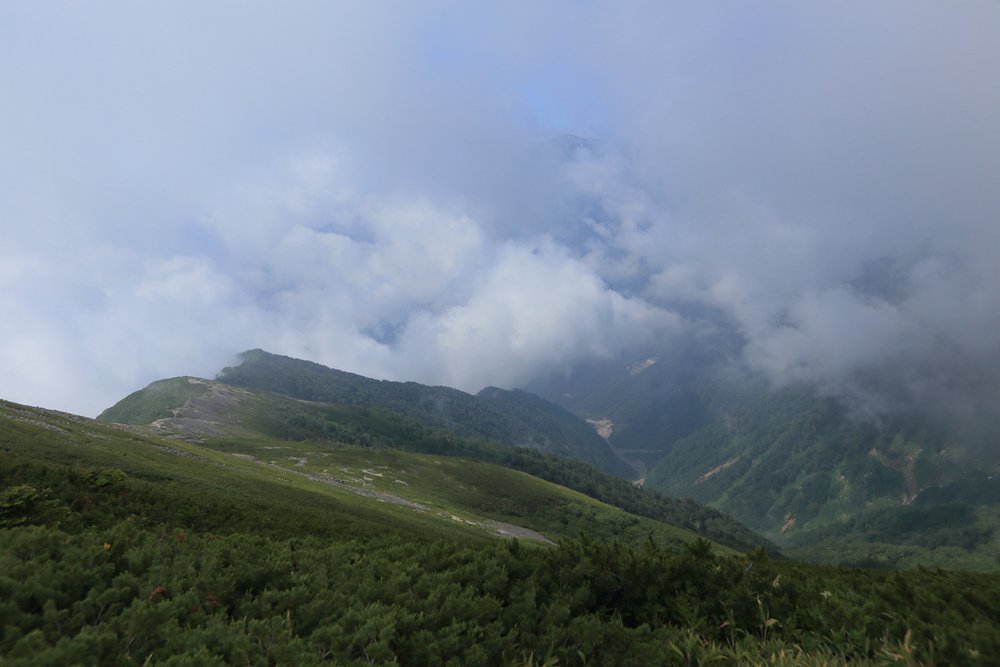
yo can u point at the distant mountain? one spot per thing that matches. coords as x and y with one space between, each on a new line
798 467
509 418
644 404
794 465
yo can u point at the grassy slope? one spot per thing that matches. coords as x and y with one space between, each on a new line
193 479
224 410
463 489
186 484
279 417
157 401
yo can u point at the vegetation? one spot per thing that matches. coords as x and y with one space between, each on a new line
817 478
125 594
793 466
273 416
294 420
157 401
509 418
787 463
341 490
118 547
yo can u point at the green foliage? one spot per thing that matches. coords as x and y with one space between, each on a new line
103 478
126 594
509 418
295 420
135 549
18 503
157 401
796 467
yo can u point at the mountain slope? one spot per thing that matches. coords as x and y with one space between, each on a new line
797 466
289 488
220 415
516 420
119 546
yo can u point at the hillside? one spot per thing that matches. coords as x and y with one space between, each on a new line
217 414
796 466
495 415
185 484
799 468
319 489
118 545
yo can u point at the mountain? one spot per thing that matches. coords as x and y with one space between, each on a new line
510 418
219 415
120 544
643 405
800 467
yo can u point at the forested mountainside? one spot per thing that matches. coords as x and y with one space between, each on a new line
120 545
797 466
495 415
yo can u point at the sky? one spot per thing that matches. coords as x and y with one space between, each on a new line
394 189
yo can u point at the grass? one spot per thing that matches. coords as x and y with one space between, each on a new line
211 486
467 489
157 401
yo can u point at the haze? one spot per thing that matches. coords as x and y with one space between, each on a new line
479 193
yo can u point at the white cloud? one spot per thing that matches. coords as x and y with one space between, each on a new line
535 309
363 185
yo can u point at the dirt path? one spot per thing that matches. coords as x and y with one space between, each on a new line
510 530
368 493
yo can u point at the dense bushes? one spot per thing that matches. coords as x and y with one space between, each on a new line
124 594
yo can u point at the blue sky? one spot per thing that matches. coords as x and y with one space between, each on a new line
375 186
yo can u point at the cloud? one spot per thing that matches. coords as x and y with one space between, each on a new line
379 188
537 308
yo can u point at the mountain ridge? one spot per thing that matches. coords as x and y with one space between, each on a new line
495 414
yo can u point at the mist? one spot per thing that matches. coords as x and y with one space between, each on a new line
480 194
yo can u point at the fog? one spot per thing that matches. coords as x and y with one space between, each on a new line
477 194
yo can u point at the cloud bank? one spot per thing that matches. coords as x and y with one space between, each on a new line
479 194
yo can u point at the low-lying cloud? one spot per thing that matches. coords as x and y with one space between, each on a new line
480 196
